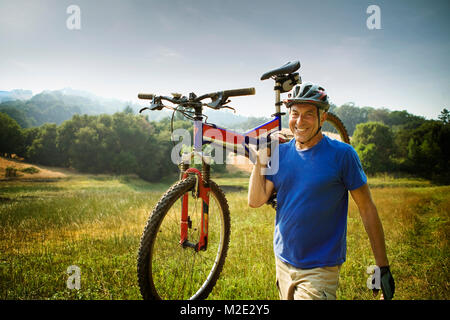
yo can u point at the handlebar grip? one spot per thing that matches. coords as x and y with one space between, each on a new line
239 92
147 96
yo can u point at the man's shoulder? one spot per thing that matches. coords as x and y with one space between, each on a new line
287 145
339 151
338 146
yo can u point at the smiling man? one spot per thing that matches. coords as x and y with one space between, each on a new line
312 183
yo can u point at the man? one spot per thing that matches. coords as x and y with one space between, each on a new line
312 183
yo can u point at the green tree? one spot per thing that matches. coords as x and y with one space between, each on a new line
379 115
429 151
44 150
154 160
374 143
351 116
401 140
370 158
85 151
124 163
444 116
11 137
395 119
17 114
67 134
29 135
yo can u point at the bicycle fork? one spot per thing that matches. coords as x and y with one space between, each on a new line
201 190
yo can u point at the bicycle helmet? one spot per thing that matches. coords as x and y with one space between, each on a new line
309 93
312 94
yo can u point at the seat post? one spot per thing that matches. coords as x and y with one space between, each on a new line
277 97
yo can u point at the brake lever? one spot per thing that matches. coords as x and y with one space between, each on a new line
215 104
156 106
227 107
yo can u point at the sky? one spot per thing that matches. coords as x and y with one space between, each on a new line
126 47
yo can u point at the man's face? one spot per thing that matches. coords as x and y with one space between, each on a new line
303 121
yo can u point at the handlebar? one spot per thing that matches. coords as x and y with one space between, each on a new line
146 96
218 98
225 94
239 92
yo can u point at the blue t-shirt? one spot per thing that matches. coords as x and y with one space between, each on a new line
312 202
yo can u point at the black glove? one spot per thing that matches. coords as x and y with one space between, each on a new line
387 283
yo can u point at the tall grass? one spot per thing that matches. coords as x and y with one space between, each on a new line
96 223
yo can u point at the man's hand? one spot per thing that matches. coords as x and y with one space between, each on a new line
387 284
280 136
263 154
260 189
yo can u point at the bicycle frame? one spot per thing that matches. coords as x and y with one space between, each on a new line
206 133
203 193
233 141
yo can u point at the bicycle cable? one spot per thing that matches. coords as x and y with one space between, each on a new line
186 113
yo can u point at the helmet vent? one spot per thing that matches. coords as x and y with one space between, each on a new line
305 91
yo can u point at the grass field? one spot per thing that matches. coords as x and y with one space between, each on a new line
95 223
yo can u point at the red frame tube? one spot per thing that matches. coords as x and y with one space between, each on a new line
204 195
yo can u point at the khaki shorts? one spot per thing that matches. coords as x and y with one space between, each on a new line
306 284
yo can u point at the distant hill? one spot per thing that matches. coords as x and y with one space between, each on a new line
55 106
17 94
59 105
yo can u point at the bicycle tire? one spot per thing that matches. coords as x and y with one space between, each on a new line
343 133
339 126
149 272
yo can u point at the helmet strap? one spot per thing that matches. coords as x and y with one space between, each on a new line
318 130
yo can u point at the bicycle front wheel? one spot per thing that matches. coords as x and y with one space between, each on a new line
168 270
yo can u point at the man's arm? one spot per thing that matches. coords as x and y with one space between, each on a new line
372 223
259 189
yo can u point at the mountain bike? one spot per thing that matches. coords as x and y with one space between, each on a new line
185 242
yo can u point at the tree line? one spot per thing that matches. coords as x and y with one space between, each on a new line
56 107
401 142
123 143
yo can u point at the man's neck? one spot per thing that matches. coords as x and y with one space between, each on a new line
311 143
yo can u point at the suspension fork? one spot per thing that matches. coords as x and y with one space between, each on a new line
202 191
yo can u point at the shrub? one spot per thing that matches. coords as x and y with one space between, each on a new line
10 172
375 144
30 170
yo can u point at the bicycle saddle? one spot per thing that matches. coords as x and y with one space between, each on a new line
289 67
